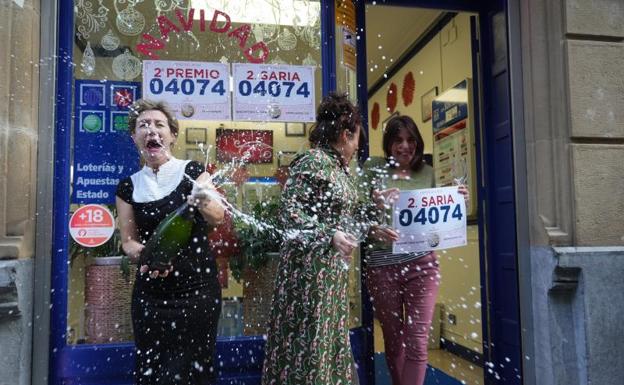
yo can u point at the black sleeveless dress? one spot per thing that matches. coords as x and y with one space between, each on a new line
175 318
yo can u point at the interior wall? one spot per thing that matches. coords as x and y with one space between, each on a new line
443 62
427 71
281 142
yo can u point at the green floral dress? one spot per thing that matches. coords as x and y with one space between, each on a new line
308 339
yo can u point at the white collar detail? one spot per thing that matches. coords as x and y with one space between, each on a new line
150 186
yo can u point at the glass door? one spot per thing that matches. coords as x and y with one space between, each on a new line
448 70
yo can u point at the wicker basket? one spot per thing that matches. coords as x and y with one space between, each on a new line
257 296
107 302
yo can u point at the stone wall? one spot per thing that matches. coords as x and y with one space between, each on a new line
19 93
573 52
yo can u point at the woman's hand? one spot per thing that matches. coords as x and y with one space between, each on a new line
344 243
381 198
155 273
463 190
208 200
132 249
383 233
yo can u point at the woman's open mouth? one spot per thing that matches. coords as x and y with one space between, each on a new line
153 145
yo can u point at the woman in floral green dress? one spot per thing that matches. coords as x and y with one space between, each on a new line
308 340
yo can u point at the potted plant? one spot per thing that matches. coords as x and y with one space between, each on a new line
259 241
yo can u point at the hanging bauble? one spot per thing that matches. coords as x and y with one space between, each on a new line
375 115
110 41
287 40
312 36
130 22
298 26
87 65
269 31
126 66
256 33
309 60
391 98
408 89
278 60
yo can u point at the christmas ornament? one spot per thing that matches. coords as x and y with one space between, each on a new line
278 60
130 22
126 66
110 41
375 116
407 90
312 36
287 40
309 60
87 65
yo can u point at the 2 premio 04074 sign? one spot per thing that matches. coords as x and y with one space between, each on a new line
193 90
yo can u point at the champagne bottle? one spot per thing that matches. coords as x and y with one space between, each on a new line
169 239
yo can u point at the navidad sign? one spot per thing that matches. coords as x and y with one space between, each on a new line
220 23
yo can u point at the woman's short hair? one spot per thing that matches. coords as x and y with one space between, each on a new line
391 131
142 105
335 114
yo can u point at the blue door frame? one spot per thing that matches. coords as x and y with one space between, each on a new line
113 363
499 259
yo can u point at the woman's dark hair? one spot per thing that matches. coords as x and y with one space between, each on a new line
142 105
335 114
392 129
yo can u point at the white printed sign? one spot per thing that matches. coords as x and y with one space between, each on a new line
270 92
429 219
193 90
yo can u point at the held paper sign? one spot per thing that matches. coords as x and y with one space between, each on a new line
270 92
192 89
429 219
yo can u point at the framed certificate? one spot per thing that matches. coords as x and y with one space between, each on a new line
295 129
195 135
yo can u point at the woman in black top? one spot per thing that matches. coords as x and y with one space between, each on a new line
175 311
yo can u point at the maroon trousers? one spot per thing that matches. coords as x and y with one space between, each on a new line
404 298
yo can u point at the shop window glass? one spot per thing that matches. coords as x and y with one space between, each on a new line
113 42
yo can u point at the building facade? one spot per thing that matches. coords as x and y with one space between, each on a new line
565 99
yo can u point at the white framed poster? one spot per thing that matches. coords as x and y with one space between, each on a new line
272 92
429 219
192 89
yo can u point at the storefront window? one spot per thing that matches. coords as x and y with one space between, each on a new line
197 55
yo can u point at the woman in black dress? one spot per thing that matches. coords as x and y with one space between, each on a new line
175 311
